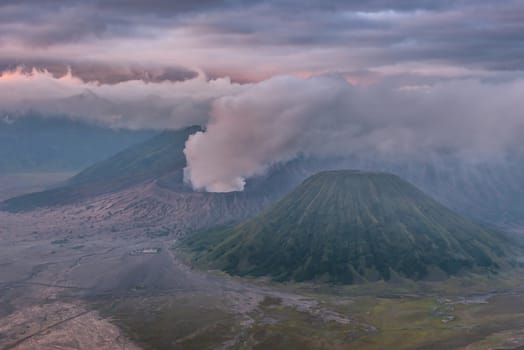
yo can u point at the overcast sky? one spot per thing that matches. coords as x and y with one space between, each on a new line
365 40
368 74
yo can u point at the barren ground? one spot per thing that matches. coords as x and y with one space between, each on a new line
76 277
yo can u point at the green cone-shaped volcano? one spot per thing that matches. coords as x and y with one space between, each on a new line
348 226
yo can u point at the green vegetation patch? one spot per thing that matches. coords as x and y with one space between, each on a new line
192 321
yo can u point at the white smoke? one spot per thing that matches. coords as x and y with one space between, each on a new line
281 118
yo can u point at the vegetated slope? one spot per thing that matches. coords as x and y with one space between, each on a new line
146 161
37 144
347 226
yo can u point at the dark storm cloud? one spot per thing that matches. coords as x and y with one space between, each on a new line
478 34
49 23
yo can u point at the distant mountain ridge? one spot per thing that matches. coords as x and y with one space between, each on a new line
161 160
349 226
34 143
490 192
146 161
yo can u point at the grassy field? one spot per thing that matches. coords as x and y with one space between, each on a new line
191 321
475 312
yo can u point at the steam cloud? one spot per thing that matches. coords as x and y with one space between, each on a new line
281 118
131 104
